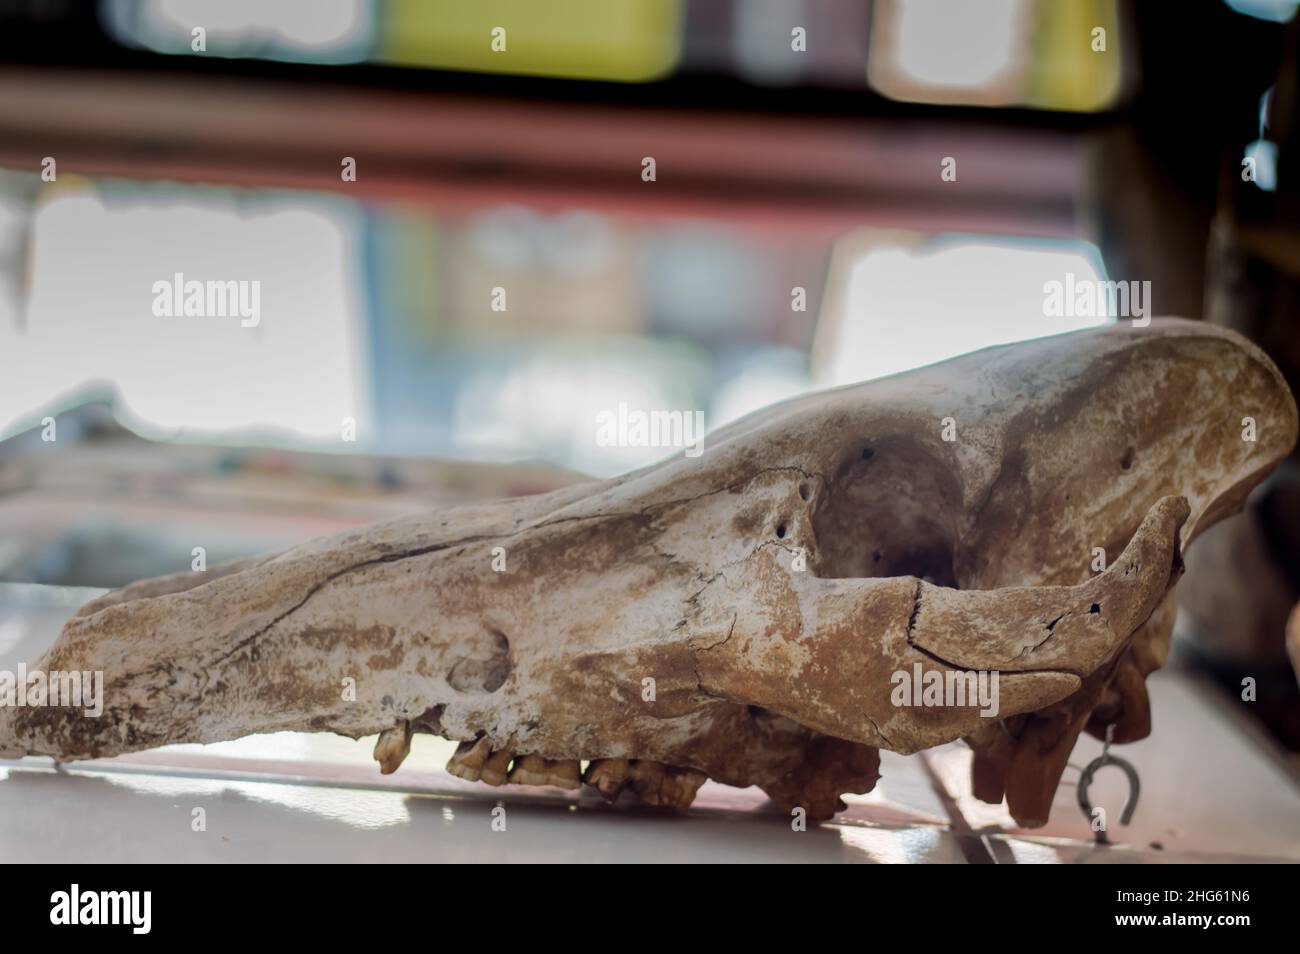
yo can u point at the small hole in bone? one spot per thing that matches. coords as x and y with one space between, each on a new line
1094 608
868 453
804 492
1126 461
780 531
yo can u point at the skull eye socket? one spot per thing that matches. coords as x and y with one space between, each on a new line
894 517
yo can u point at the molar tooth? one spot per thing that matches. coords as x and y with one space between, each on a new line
564 773
647 778
608 776
665 785
467 761
830 768
496 770
687 783
392 747
529 770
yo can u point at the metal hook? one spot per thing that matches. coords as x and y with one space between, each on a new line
1085 779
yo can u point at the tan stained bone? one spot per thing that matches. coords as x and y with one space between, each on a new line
657 625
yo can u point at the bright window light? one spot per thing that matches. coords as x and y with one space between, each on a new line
329 31
1044 54
546 402
91 321
941 43
769 376
897 302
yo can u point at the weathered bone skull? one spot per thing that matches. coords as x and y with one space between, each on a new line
661 626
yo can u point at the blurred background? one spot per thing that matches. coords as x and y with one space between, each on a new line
470 243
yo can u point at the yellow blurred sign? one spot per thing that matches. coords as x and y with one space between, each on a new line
620 40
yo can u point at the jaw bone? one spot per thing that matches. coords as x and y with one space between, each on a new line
738 616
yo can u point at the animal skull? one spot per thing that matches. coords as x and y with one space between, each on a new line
739 616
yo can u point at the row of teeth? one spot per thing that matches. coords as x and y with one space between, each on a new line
653 782
476 762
